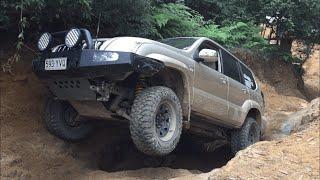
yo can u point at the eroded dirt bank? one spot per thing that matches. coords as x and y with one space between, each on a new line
28 151
293 157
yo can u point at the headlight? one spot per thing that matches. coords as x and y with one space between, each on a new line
72 38
44 41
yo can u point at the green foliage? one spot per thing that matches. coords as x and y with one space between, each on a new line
236 34
173 20
233 23
209 9
146 18
178 20
289 58
226 11
123 17
300 19
40 15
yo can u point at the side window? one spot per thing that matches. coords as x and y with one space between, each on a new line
247 77
230 67
208 45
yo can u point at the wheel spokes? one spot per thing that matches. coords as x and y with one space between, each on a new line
163 117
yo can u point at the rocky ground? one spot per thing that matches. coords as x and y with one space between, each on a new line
292 157
290 149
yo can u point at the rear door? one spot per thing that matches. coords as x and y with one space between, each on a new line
238 93
249 81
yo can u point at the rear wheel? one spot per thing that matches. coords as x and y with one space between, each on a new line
63 121
247 135
156 121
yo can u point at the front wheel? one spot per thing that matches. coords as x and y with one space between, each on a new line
63 121
247 135
156 121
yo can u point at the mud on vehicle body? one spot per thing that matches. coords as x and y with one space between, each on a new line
160 88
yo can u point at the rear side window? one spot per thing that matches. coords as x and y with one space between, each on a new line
230 67
247 77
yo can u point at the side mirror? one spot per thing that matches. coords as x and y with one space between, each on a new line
209 55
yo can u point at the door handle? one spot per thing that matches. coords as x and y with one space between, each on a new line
223 80
244 90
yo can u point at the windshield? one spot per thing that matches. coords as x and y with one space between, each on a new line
180 43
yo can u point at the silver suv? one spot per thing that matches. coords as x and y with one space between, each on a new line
159 88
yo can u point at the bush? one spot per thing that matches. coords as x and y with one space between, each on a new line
171 20
123 17
236 34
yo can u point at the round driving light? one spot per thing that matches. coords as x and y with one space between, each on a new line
44 41
72 38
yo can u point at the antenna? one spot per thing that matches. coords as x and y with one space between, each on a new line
97 32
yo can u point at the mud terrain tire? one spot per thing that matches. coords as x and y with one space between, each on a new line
57 113
247 135
156 121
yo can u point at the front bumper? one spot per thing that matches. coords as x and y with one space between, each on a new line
83 63
86 65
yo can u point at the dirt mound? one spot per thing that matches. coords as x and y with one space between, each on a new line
294 157
26 148
296 120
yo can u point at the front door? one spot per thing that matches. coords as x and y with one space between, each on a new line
210 88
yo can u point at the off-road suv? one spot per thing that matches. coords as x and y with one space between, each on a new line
189 84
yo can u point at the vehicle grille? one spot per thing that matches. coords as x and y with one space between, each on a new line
63 47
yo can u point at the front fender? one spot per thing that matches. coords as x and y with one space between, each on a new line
187 77
178 61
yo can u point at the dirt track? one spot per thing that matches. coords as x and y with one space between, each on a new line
28 151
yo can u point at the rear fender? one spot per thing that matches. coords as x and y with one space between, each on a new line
246 107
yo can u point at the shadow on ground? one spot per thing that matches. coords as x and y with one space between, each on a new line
112 150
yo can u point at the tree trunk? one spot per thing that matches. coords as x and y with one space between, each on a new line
285 44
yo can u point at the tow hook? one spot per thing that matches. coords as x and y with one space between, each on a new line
103 91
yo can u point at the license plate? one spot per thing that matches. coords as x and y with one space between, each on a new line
56 64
